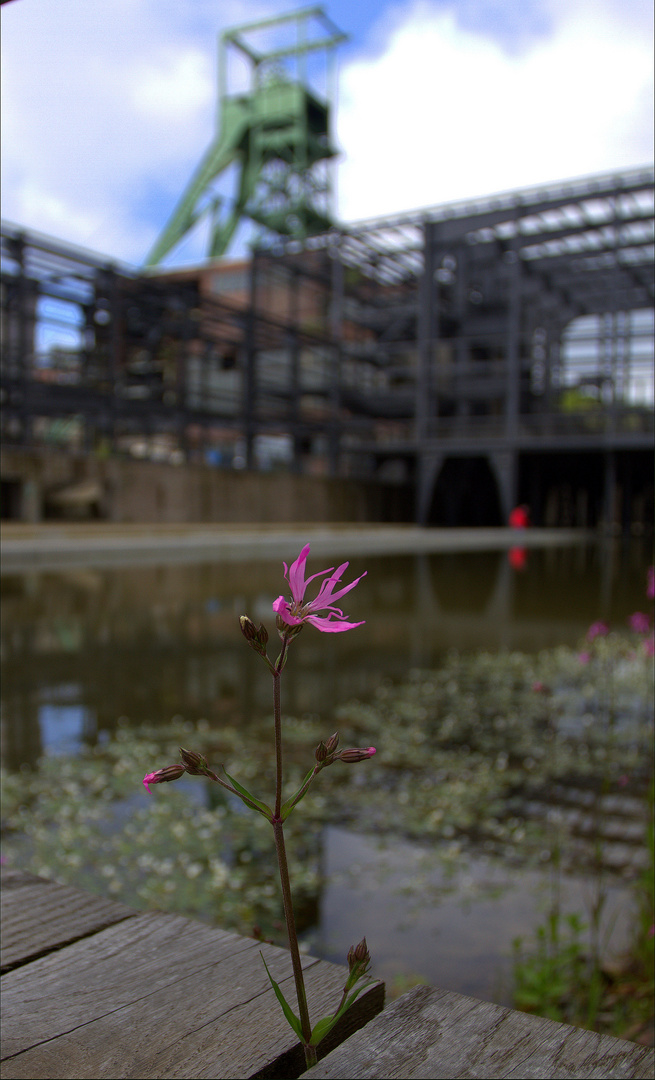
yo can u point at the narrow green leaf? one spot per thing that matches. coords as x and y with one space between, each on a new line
325 1025
321 1029
291 803
249 799
286 1008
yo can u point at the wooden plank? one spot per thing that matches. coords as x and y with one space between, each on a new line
430 1033
160 996
39 916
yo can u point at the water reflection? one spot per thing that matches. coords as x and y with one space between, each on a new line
83 648
444 917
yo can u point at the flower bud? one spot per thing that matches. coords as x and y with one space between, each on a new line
163 776
325 751
359 953
196 764
248 628
356 754
332 743
193 762
256 637
359 959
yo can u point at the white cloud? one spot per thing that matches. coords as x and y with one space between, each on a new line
446 114
171 87
108 107
106 110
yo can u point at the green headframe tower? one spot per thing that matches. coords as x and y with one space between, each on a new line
273 138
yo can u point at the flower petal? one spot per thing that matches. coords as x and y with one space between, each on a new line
296 575
327 597
329 625
281 608
327 586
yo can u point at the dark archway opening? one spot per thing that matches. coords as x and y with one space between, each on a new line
571 489
465 494
11 500
563 490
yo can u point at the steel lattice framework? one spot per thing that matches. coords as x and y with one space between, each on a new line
510 330
276 135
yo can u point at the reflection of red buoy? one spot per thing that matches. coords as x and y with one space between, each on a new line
518 558
520 517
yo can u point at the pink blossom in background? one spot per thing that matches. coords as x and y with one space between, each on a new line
650 583
639 622
584 657
597 629
649 646
296 613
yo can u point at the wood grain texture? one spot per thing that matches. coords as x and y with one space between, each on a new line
39 916
159 996
430 1033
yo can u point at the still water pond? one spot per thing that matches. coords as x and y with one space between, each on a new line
87 652
84 648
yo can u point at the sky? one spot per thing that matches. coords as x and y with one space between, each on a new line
109 105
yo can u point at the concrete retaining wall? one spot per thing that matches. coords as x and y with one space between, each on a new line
41 484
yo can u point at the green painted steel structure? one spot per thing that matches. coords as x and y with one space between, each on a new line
276 135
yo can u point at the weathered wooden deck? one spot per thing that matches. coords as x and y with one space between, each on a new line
91 988
431 1034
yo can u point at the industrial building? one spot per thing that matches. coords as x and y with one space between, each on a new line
467 356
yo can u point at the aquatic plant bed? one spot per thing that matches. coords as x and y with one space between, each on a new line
533 760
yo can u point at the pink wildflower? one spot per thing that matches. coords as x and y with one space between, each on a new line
597 629
296 613
584 658
650 583
639 622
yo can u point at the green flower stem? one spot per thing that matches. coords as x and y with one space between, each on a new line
278 745
277 711
278 832
310 1051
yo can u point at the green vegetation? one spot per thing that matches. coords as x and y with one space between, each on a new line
465 755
